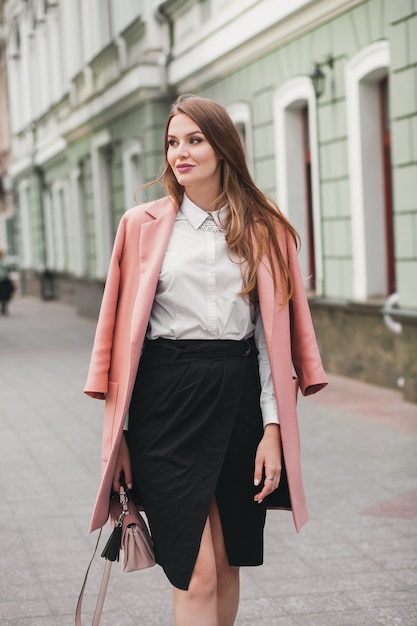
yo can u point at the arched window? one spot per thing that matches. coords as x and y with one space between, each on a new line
50 244
14 42
14 75
101 160
370 172
132 173
297 172
60 223
26 225
79 231
241 117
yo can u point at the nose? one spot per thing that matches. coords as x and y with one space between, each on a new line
182 150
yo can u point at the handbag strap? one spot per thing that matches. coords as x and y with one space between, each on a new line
101 594
123 500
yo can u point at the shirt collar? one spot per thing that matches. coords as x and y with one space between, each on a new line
196 216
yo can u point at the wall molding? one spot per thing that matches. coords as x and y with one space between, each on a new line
222 46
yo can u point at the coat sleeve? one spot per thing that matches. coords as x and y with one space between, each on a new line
305 352
97 380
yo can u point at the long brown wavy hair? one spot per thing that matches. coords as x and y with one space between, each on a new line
251 213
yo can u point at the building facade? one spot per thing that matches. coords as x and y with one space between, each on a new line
323 93
7 239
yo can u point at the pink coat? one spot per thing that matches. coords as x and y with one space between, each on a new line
138 252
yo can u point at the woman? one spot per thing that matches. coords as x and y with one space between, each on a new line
203 321
6 285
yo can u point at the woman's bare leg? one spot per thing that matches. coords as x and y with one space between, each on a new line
228 582
212 598
198 605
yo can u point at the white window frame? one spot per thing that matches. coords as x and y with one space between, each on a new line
369 271
79 252
287 98
132 175
49 230
102 205
27 253
59 215
240 113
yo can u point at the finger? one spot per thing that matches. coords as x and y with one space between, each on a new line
266 490
116 478
272 479
270 484
262 494
259 466
128 477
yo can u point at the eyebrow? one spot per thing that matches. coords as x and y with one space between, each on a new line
194 132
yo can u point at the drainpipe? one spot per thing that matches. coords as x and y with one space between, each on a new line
164 20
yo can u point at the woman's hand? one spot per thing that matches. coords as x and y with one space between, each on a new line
268 461
122 465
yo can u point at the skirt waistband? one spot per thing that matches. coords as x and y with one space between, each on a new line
201 348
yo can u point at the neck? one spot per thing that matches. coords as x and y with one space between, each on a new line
203 198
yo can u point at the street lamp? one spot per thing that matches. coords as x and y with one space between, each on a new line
318 77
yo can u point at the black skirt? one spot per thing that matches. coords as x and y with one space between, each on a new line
194 427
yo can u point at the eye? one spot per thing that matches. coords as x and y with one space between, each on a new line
195 140
171 142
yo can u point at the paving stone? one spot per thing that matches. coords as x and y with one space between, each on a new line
395 615
345 618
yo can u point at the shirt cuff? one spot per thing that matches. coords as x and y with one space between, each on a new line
269 413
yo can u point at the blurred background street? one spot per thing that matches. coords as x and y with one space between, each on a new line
354 563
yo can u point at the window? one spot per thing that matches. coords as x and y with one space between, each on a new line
14 42
60 223
101 156
132 173
49 230
387 180
79 260
297 172
370 172
25 225
241 117
308 199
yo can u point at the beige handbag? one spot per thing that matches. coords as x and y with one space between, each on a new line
131 535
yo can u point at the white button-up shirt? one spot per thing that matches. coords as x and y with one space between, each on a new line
197 294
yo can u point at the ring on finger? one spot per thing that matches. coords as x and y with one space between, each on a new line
269 477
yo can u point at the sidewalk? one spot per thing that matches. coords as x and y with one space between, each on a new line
354 563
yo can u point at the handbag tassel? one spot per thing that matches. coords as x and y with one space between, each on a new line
112 548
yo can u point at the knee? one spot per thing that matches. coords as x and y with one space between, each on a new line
227 576
203 584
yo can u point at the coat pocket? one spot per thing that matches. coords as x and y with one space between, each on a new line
109 420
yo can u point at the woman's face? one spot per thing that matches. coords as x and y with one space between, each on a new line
191 157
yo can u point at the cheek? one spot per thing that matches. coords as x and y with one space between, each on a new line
214 161
169 157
